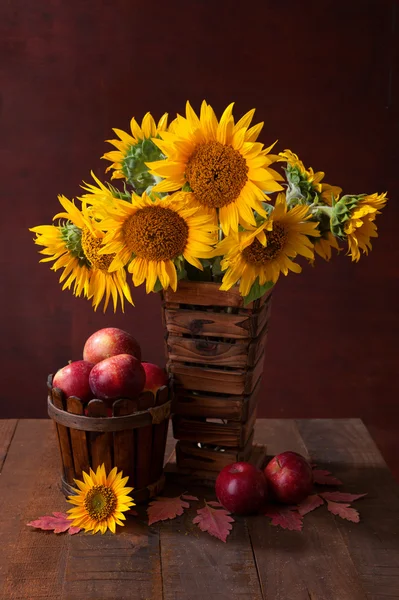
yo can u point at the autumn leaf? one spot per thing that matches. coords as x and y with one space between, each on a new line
309 504
216 522
163 508
344 511
188 497
214 503
57 523
341 496
323 477
285 516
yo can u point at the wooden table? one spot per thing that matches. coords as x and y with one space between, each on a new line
331 559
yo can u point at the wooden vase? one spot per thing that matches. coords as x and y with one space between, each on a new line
215 352
133 439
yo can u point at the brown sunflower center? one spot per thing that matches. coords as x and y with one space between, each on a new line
91 245
156 233
100 502
216 174
256 254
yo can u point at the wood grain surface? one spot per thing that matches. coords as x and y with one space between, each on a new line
331 559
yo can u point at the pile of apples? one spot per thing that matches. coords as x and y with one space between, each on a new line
111 369
243 489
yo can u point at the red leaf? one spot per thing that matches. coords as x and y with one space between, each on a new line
214 503
188 497
323 477
216 522
341 496
58 523
162 509
286 517
344 511
309 504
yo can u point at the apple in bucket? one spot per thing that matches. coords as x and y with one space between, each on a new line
155 377
108 342
120 376
290 477
73 380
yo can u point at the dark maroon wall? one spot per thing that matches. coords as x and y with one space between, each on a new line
322 77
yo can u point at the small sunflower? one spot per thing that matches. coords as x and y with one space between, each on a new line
305 184
100 501
75 245
134 150
221 163
153 235
262 254
324 244
352 219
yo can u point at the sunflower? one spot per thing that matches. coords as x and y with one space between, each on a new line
100 501
262 254
323 245
221 163
305 183
75 245
153 235
353 219
134 150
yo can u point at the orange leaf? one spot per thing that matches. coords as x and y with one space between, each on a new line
162 509
57 523
341 496
309 504
216 522
344 511
323 477
285 516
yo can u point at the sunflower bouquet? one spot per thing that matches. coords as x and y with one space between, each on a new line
200 200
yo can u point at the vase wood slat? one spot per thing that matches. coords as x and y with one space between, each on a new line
215 351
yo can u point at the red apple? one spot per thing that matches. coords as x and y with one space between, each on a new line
73 380
155 377
110 342
290 477
120 376
241 488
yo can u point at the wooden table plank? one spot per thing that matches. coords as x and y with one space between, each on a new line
196 566
314 564
331 560
7 429
36 565
347 449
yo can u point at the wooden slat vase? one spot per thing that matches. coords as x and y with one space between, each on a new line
133 439
215 352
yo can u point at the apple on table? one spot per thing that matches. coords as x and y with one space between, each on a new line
241 488
290 477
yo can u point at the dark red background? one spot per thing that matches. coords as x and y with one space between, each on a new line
322 77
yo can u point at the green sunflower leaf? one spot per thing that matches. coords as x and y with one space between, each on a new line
257 291
158 286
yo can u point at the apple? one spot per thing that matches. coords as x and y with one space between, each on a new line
73 380
155 377
110 341
241 488
290 477
120 376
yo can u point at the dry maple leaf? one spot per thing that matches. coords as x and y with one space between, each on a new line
57 523
163 508
188 497
341 496
309 504
215 521
344 511
324 477
285 516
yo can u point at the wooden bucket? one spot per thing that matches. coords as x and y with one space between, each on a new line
215 351
133 439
